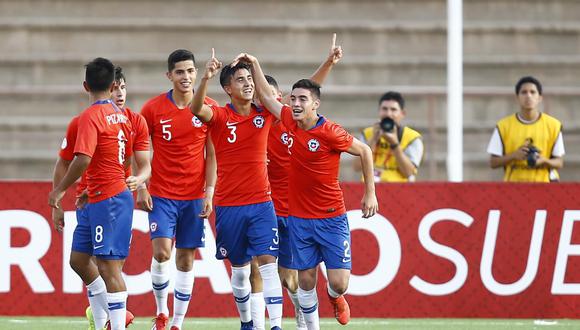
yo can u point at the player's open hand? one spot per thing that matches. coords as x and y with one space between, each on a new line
244 57
335 51
144 200
370 205
58 219
212 66
54 198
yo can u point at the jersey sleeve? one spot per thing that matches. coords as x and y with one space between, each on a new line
211 102
86 141
495 146
219 115
286 117
141 133
67 147
415 151
339 139
558 150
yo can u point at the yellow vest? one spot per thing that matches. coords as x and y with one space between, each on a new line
385 163
543 134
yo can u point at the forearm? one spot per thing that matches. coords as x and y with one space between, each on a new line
199 96
60 169
319 76
143 165
499 161
263 90
404 164
366 161
557 162
75 170
210 170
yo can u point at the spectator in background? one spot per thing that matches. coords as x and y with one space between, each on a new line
528 144
397 150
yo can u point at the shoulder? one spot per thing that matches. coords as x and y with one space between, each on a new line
413 134
507 120
154 102
551 120
211 102
368 131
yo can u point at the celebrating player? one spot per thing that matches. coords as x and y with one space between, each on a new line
183 167
245 218
104 131
317 217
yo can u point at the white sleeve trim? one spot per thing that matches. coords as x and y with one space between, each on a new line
415 151
558 150
495 146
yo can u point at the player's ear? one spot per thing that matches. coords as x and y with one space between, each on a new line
86 86
316 104
228 89
168 75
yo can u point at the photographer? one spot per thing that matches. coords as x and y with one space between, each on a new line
397 150
528 144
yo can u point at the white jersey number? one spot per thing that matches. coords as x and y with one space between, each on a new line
233 137
122 141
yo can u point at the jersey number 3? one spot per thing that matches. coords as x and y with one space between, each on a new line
233 137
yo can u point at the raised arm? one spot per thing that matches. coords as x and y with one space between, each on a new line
262 86
370 205
198 108
319 76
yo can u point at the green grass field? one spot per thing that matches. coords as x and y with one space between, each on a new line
61 323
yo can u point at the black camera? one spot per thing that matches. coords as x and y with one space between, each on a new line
532 154
387 124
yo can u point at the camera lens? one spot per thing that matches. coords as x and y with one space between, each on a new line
387 124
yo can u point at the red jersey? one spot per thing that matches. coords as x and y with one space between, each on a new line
278 166
314 189
139 142
103 133
178 166
240 144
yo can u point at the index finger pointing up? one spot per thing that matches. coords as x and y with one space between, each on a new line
212 53
333 40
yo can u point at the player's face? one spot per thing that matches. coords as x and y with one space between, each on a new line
183 76
304 105
529 97
391 109
119 93
241 85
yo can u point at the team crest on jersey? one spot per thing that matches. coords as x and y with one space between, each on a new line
153 227
285 138
223 251
313 145
259 121
196 122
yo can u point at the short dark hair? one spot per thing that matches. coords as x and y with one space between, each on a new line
393 96
308 84
179 55
528 80
119 74
99 74
228 72
272 82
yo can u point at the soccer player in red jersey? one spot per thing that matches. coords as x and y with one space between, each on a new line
245 218
278 171
103 133
180 191
317 217
81 259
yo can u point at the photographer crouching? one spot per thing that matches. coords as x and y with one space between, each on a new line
397 149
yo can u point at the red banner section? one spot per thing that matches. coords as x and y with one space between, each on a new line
435 250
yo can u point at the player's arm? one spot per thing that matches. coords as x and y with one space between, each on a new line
554 162
76 168
370 206
142 160
60 169
319 76
496 161
198 108
210 178
262 87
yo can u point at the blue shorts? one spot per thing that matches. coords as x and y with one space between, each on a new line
81 241
111 221
284 254
246 231
316 240
180 219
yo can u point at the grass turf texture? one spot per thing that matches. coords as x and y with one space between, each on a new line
62 323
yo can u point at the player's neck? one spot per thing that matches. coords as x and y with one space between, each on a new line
242 107
529 114
181 99
98 96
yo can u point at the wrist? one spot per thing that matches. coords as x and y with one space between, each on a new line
393 146
209 190
142 186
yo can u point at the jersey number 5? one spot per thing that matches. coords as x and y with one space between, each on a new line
166 132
